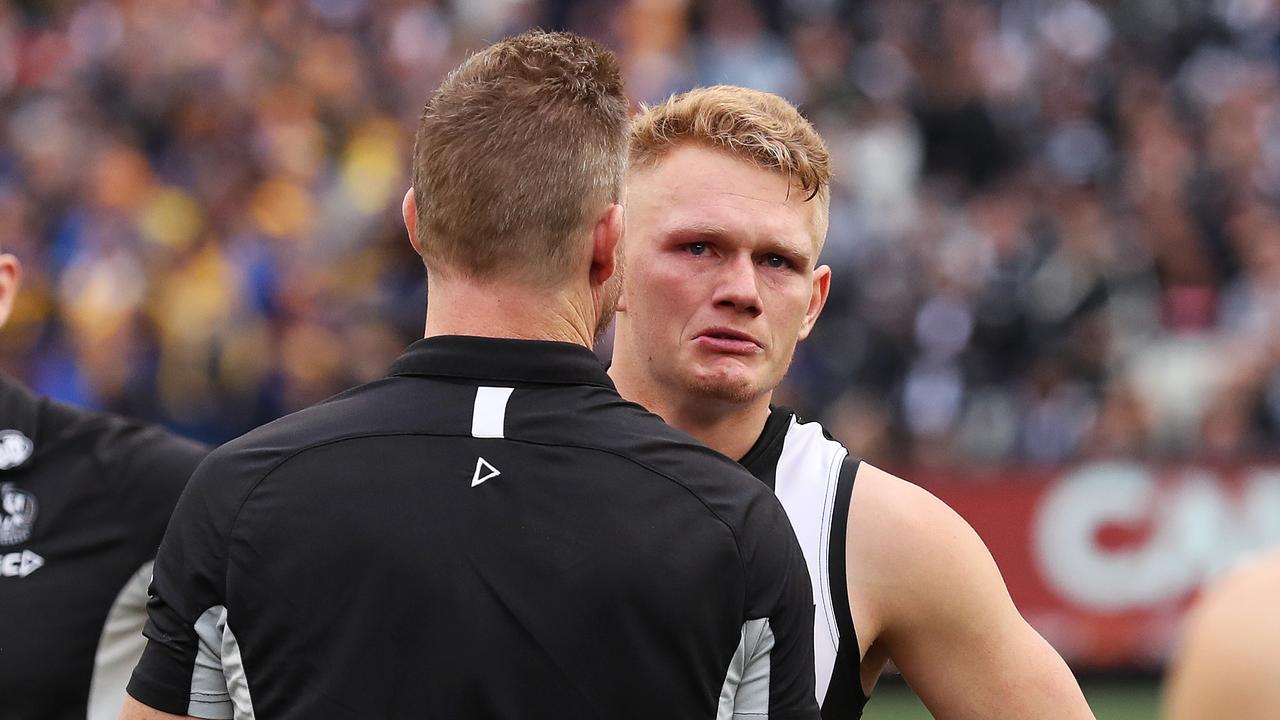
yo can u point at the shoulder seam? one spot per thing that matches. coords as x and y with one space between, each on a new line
737 541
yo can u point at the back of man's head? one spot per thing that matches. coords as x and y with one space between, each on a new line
518 151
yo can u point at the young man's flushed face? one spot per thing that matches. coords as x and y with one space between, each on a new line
720 280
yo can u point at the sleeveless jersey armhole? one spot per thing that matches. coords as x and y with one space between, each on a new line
845 699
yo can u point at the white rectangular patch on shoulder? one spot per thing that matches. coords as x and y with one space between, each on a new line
490 415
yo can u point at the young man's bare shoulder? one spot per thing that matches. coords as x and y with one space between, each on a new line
934 602
903 538
885 503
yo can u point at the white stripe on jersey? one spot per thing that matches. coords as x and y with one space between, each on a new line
219 688
745 694
489 418
808 474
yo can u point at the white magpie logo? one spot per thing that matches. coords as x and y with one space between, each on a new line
17 514
15 448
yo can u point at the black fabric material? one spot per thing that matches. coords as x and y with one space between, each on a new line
762 459
533 361
845 696
102 489
605 572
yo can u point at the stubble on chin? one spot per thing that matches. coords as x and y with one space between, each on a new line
731 390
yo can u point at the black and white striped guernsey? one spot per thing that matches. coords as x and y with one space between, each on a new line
813 474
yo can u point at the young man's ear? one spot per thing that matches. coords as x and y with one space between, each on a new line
817 299
10 280
409 210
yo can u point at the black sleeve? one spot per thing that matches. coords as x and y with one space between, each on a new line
779 674
181 668
153 475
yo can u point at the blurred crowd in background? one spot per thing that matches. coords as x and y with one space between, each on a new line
1054 230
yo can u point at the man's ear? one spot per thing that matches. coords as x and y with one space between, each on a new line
606 243
409 209
10 280
817 299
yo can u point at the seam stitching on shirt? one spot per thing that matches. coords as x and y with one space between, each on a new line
737 541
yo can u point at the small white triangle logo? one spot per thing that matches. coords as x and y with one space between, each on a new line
484 471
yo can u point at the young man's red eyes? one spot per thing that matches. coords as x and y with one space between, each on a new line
771 260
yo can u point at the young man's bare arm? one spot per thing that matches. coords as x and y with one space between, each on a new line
1229 662
134 710
939 609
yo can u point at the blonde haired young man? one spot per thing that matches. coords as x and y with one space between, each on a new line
727 206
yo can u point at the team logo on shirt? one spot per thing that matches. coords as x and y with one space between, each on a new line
17 514
15 448
20 564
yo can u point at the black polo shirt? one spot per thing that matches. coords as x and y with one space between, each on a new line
84 499
489 532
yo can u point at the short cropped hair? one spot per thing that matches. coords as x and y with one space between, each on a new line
515 153
753 125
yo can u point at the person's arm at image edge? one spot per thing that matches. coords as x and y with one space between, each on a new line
1228 665
948 622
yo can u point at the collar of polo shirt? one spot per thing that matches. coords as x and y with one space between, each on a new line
537 361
